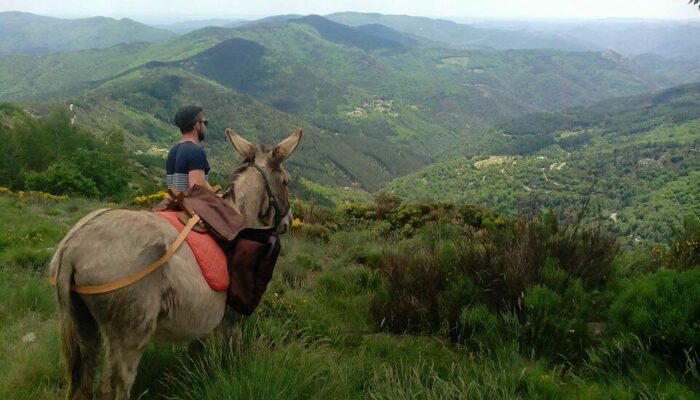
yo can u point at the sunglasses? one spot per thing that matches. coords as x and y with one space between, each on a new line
204 121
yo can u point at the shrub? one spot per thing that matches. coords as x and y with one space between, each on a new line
313 232
685 250
482 328
409 303
63 178
661 308
151 200
555 324
544 273
386 203
622 354
294 274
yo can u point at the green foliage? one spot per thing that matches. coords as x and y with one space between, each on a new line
55 156
317 337
685 249
556 324
540 270
661 308
63 177
33 34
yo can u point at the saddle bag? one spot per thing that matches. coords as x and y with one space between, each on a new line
251 261
251 254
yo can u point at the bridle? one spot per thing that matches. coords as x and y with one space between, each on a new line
272 202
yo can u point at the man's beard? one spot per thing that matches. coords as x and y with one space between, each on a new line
200 136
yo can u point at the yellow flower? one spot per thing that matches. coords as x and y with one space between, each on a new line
150 199
296 223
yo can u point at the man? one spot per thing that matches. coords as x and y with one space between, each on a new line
187 163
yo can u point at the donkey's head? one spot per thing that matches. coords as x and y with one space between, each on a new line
259 186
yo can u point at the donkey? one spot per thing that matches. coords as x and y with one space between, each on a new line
174 303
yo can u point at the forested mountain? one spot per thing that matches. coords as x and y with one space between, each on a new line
453 34
637 159
183 27
671 39
24 33
377 102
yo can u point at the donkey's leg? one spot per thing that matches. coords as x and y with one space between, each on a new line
124 349
81 347
82 387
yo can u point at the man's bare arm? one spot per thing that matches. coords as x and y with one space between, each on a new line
197 177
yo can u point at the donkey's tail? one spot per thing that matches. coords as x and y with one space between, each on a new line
79 331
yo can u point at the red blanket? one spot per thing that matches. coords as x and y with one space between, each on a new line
210 257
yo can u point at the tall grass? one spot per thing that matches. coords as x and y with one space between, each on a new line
451 310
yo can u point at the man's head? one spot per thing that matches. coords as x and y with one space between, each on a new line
191 118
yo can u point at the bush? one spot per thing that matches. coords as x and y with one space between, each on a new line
386 203
685 250
661 308
544 273
555 324
482 328
63 178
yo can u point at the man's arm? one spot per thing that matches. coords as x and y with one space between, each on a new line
197 177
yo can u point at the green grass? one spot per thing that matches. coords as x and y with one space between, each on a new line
311 338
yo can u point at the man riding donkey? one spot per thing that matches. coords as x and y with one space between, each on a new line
126 277
187 163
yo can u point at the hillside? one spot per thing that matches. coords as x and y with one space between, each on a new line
24 33
453 34
384 104
184 27
636 157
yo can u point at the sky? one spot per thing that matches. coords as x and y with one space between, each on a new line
179 10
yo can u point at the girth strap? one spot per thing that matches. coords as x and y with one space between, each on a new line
108 287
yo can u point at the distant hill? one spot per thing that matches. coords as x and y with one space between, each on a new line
349 36
629 37
188 26
675 40
385 103
636 158
463 36
24 33
387 33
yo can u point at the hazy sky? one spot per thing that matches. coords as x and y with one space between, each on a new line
197 9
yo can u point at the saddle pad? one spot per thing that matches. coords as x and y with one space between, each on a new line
210 257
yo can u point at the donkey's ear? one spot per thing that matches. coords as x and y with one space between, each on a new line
242 146
286 147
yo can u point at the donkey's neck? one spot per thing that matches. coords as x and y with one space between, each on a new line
248 196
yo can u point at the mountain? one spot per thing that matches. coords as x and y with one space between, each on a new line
184 27
629 37
636 158
380 102
672 40
463 36
143 102
23 33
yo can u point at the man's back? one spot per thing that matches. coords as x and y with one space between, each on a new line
183 158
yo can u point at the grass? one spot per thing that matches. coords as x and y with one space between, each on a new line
311 338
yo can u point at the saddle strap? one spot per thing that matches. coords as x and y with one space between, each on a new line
108 287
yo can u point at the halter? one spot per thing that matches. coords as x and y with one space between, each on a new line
272 200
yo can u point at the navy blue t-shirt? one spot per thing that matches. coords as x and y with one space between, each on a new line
183 158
